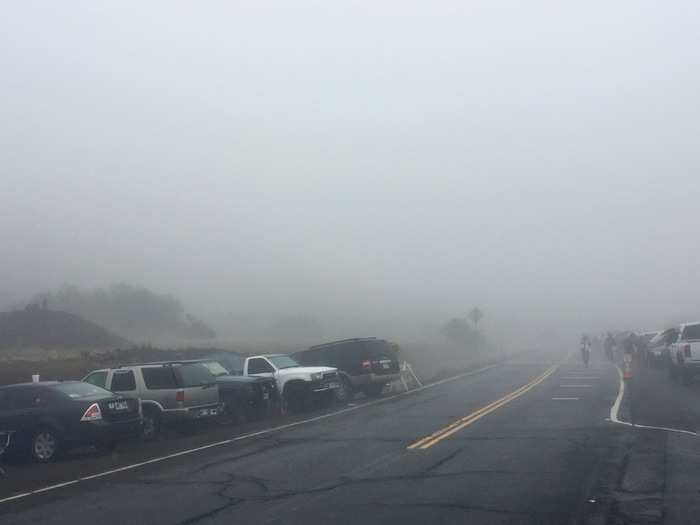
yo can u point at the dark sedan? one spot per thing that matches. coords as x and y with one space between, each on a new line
48 418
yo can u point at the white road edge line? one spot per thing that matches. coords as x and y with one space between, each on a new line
242 437
615 412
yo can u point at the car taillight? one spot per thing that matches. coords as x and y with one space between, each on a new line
93 413
686 350
180 396
367 365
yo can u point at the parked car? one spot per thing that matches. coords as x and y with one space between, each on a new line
299 385
643 341
170 392
366 365
48 418
657 347
684 352
249 397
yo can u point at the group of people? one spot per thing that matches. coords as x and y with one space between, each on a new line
631 345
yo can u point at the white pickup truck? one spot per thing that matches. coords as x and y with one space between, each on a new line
298 384
684 352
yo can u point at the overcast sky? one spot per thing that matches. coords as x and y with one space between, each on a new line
403 160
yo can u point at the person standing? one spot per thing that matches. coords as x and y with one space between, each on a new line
585 350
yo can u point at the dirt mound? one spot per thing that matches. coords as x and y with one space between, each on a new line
36 327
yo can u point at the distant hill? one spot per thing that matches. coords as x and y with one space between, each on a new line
137 313
36 327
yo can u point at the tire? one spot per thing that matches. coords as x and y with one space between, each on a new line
344 393
45 445
373 390
151 424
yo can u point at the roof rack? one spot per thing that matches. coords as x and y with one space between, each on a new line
341 341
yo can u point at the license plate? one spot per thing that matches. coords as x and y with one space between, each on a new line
385 365
266 395
333 385
118 405
207 412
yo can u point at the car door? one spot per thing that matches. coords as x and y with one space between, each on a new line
9 422
123 383
25 409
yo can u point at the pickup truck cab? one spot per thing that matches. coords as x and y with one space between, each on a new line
298 384
684 352
244 397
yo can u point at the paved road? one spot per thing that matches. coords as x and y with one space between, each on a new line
530 457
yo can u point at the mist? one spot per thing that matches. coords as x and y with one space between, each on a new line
378 167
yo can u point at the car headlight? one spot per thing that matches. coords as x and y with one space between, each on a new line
316 376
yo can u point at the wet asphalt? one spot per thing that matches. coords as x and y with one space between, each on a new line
532 460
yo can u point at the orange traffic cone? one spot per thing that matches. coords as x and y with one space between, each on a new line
628 372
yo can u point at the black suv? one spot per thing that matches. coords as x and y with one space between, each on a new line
366 365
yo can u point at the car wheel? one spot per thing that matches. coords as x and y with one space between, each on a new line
344 393
45 445
151 425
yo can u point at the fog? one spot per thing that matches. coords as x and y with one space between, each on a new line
371 165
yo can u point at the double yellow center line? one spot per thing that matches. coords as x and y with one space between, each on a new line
458 425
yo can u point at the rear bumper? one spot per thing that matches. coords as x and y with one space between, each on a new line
373 379
176 415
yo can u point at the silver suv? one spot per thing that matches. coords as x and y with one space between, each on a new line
169 392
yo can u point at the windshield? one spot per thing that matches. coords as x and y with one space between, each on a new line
691 332
216 368
82 390
283 361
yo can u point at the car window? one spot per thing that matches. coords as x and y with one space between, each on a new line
193 374
379 350
123 381
79 390
691 332
159 378
97 379
259 366
215 368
